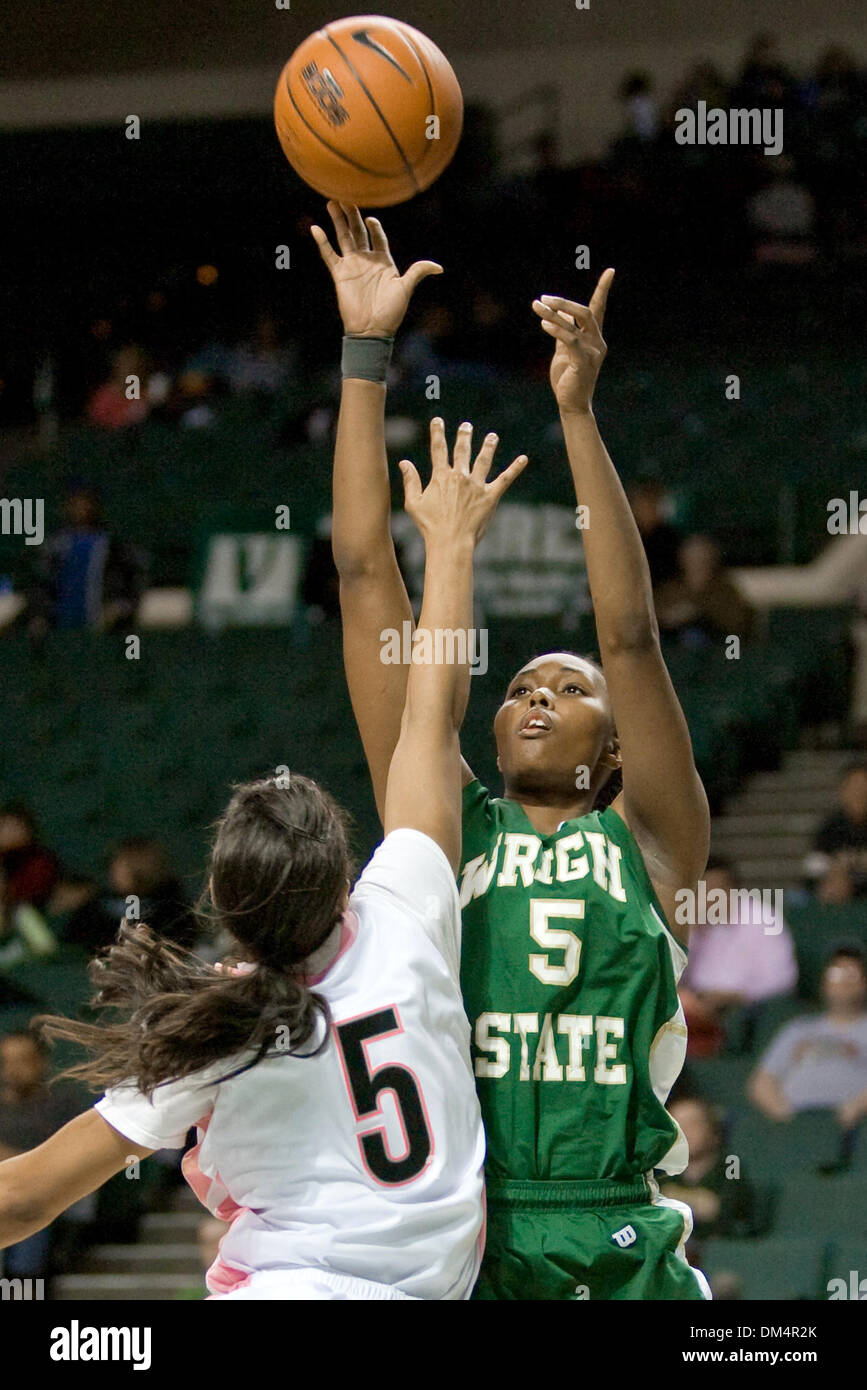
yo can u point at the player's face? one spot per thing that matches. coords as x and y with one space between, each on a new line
555 720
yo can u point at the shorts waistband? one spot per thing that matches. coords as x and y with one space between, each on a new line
514 1193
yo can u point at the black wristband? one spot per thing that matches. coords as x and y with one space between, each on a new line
366 358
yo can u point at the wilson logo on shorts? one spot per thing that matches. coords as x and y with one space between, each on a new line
326 92
625 1236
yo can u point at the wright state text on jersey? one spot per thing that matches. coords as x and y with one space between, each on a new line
569 976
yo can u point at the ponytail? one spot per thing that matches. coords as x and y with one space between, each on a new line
171 1013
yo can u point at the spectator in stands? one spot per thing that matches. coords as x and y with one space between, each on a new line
739 958
24 933
209 1232
426 349
85 575
764 80
782 215
722 1204
261 366
30 1112
701 604
122 400
837 864
820 1061
30 870
141 887
641 107
704 82
647 498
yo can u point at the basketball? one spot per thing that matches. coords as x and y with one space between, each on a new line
368 110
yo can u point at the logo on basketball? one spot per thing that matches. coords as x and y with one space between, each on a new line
326 92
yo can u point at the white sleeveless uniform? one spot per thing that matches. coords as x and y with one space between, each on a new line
364 1163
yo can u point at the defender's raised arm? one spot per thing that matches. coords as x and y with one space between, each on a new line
452 512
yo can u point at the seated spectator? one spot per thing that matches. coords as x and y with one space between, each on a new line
85 576
738 958
820 1061
29 869
209 1232
261 367
721 1205
30 1112
141 887
701 604
426 350
782 215
641 107
122 400
661 539
704 82
24 933
837 864
764 80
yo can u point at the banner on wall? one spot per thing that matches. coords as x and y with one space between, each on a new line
249 579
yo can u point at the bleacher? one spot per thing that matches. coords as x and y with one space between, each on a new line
104 747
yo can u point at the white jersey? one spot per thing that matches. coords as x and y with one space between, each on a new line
367 1159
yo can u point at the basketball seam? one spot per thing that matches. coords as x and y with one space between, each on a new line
431 93
340 155
372 100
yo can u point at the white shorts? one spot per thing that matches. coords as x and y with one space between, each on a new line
311 1284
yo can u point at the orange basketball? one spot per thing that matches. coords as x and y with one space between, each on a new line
368 111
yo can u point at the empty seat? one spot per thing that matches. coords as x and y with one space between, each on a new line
777 1268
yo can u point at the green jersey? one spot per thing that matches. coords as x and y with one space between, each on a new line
569 978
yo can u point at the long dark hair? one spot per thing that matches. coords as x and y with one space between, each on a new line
278 875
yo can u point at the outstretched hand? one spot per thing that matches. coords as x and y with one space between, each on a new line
458 501
580 349
371 295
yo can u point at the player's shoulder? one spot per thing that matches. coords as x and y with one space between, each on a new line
409 870
482 811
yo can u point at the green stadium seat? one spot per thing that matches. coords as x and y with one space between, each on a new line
817 928
823 1205
810 1142
846 1264
60 982
773 1015
777 1268
857 1148
721 1080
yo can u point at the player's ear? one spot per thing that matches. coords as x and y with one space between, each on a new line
611 755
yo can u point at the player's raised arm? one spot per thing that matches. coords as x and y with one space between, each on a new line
373 299
663 800
452 512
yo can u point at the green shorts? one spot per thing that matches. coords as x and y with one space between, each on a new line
586 1240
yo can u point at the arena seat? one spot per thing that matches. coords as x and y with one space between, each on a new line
811 1141
817 929
770 1017
833 1205
60 982
846 1262
721 1080
778 1268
